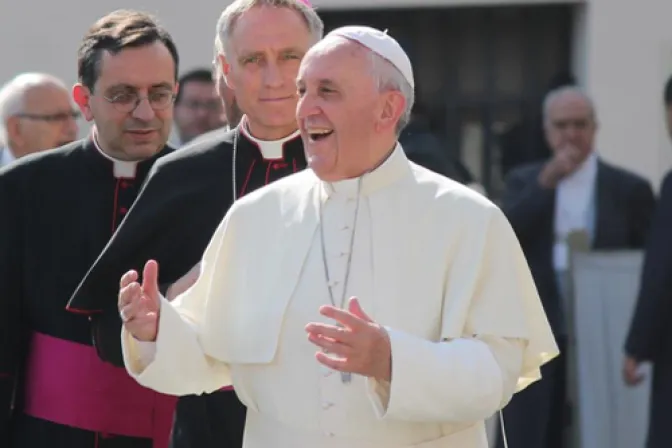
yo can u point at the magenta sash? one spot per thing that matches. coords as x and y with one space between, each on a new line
66 383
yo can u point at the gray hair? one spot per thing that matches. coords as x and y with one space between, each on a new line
13 96
554 95
232 13
388 77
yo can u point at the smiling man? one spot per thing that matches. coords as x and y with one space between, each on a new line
59 208
260 44
346 304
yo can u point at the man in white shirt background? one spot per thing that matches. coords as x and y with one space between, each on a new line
575 190
446 326
36 114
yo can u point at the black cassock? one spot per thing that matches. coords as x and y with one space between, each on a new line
58 210
184 199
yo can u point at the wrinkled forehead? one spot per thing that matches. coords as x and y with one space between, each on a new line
47 95
263 28
334 56
570 105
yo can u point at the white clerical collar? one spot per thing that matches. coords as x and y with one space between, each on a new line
122 168
6 156
585 174
269 149
393 168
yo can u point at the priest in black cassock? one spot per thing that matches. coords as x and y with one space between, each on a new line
58 210
188 193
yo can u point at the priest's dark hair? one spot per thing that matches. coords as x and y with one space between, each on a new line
198 75
120 29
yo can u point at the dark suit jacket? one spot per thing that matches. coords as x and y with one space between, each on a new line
624 207
649 339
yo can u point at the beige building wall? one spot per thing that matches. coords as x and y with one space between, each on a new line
624 58
623 53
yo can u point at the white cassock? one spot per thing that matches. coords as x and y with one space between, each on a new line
433 261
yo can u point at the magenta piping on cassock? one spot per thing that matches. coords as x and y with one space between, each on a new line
66 383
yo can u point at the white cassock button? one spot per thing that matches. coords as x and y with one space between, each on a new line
327 405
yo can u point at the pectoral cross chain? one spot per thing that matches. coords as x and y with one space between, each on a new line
346 377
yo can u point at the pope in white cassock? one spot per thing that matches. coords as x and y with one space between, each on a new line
363 303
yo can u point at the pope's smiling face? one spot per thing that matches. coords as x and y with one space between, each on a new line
342 112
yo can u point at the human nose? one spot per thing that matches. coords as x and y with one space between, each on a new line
273 75
306 107
143 110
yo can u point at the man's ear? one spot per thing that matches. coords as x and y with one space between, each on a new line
226 70
82 95
392 109
13 129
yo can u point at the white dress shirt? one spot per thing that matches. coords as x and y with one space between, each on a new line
6 156
574 202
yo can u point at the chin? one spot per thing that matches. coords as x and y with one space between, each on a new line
322 170
280 117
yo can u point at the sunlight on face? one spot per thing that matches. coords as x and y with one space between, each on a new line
267 46
339 108
134 72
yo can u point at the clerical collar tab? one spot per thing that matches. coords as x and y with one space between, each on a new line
269 149
122 169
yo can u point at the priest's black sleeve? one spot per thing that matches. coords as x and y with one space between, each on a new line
11 278
653 311
171 221
129 248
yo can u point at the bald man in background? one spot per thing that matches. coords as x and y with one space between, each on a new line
36 114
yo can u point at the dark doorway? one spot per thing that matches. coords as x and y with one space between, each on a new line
478 70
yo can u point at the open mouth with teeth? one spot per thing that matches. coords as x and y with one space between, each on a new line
321 134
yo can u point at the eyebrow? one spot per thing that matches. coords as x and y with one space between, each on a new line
122 86
287 50
324 82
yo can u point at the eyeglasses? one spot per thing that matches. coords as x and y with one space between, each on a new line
128 102
579 124
57 117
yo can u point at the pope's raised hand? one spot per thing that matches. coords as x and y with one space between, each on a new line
357 344
139 304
